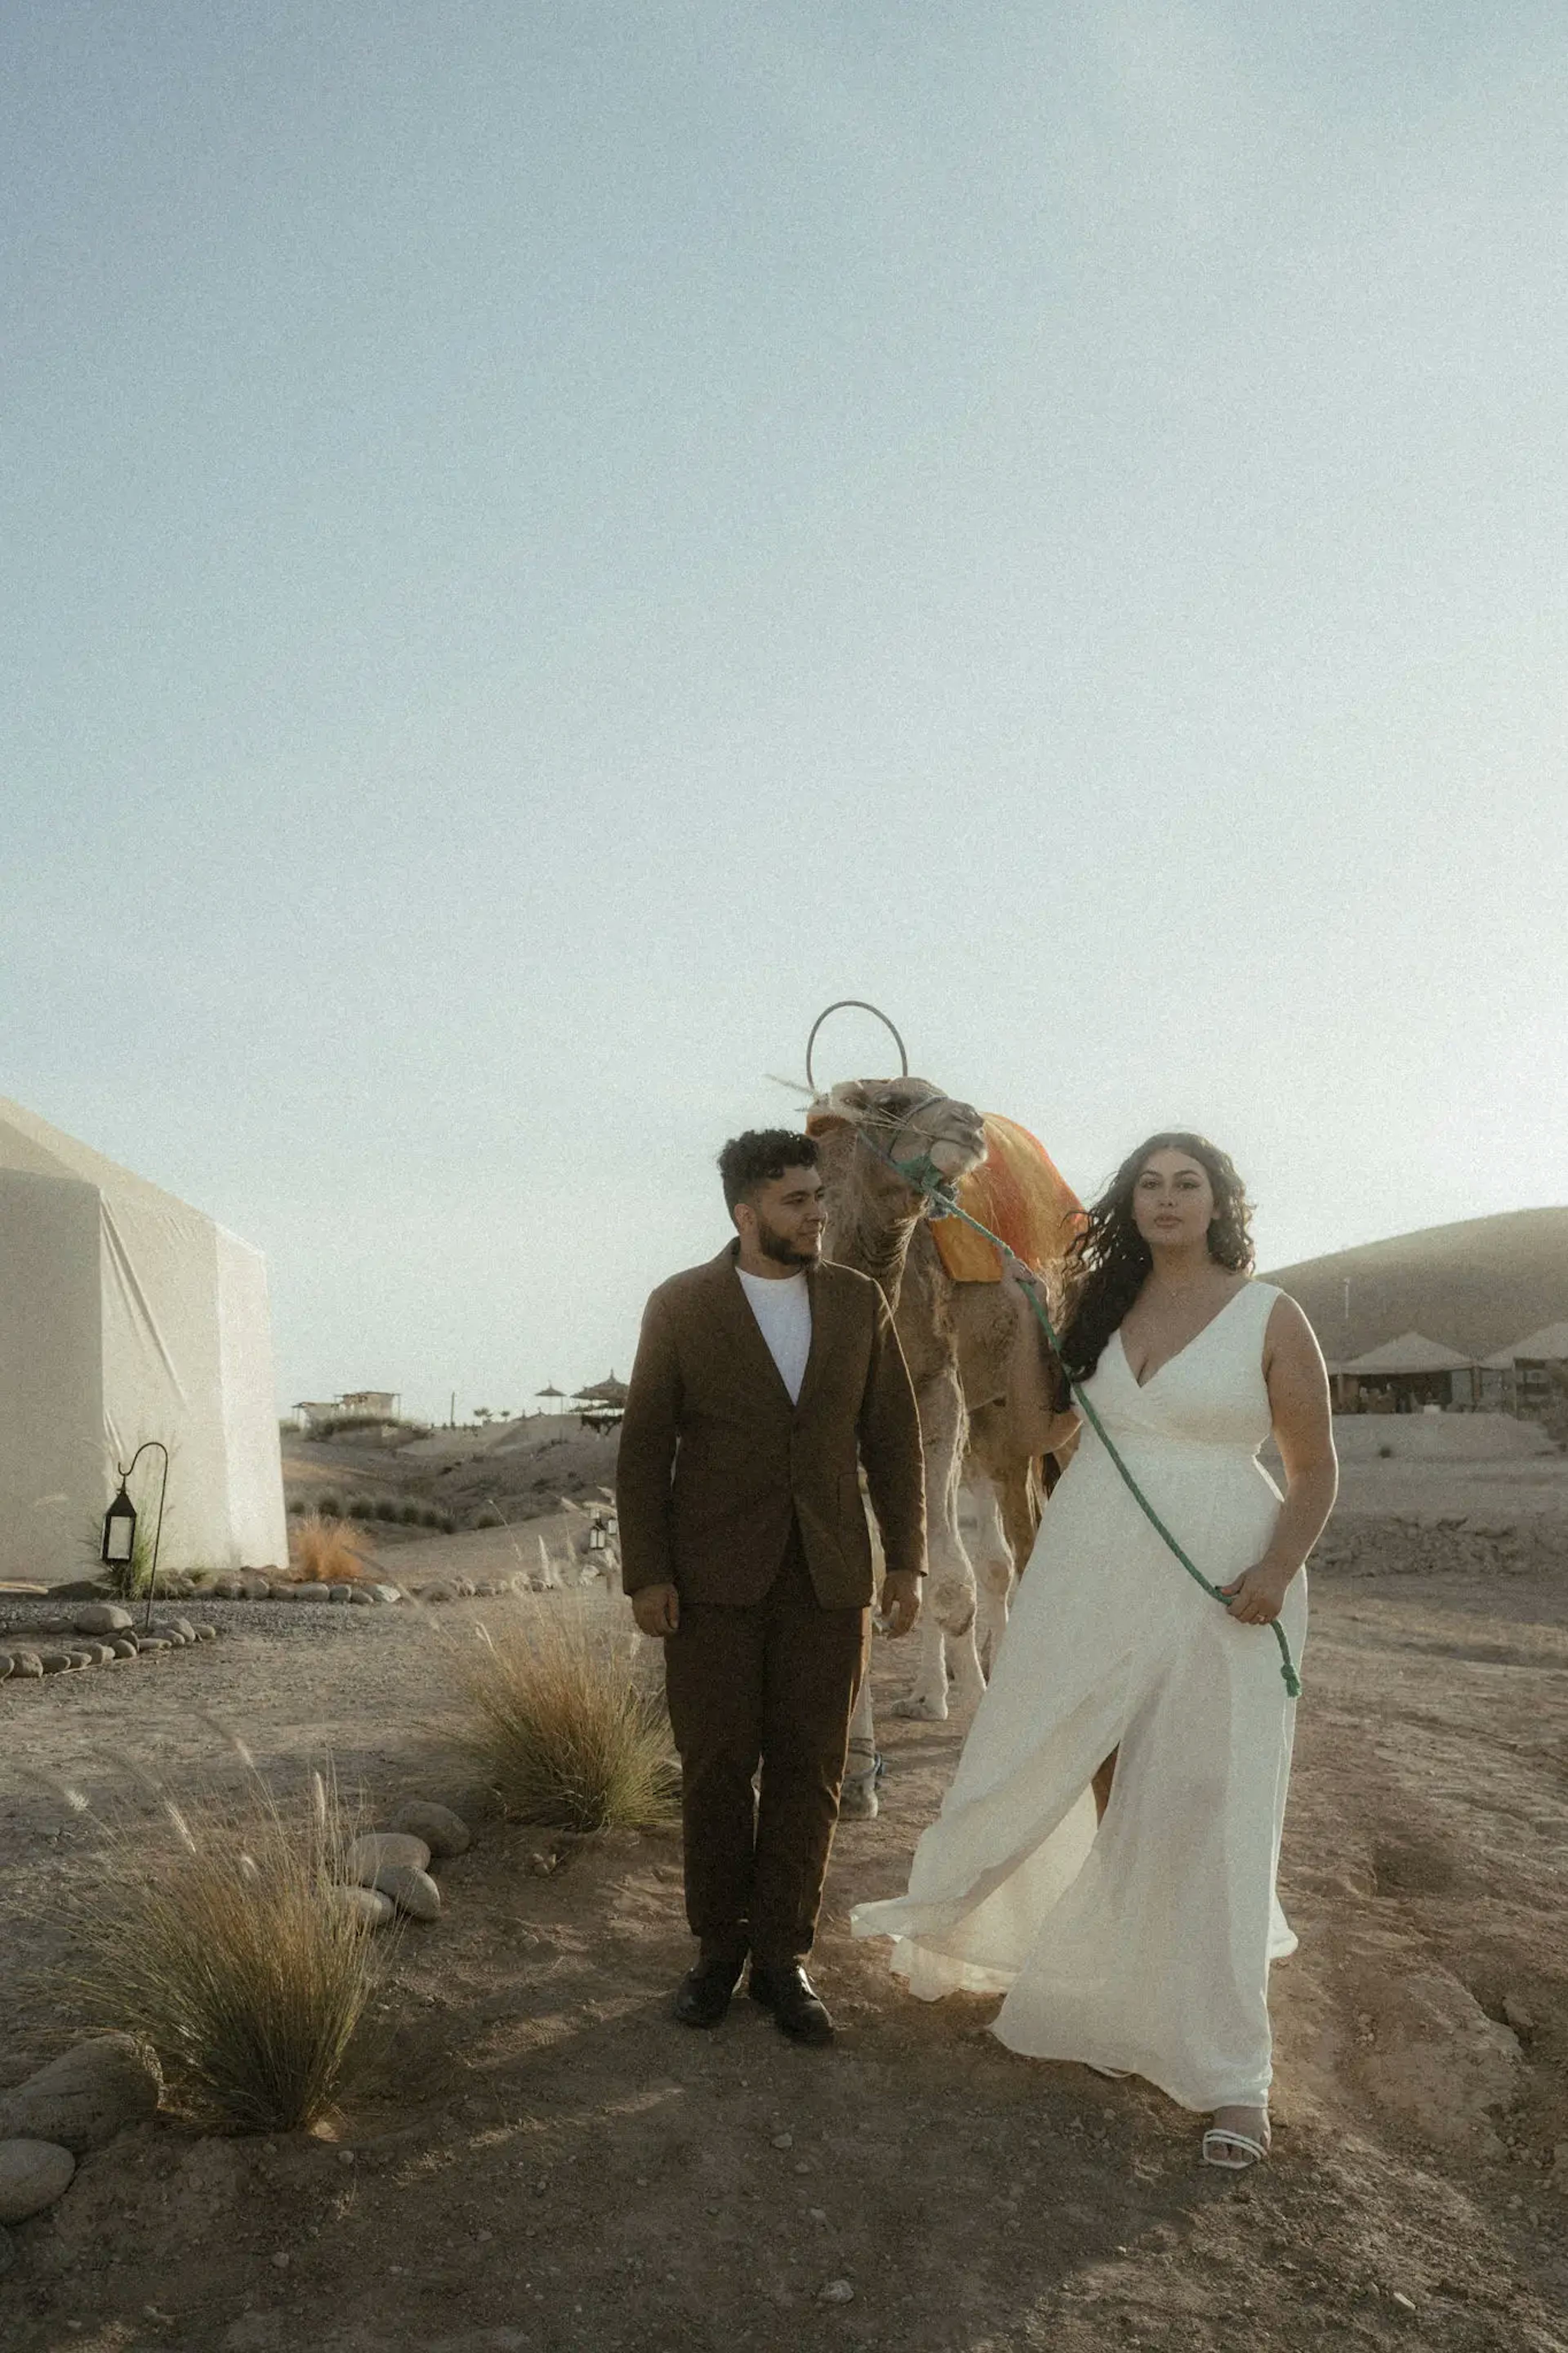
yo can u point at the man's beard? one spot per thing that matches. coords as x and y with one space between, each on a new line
782 1252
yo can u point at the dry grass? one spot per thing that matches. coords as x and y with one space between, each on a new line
559 1722
223 1949
325 1550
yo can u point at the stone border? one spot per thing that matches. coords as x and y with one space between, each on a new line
102 1635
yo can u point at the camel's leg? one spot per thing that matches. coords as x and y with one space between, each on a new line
858 1800
993 1569
948 1616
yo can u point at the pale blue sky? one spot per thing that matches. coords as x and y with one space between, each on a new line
546 543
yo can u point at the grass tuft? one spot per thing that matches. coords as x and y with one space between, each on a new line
561 1723
224 1950
324 1550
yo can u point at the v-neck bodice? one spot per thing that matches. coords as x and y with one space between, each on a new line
1210 1393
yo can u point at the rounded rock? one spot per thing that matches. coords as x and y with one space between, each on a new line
206 1634
255 1589
53 1662
156 1642
340 1593
102 1618
376 1851
85 2097
313 1592
27 1663
443 1831
33 2174
359 1593
438 1592
367 1904
414 1892
5 1664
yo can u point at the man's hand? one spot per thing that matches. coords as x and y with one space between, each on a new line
900 1599
657 1608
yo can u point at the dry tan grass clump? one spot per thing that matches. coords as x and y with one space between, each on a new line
324 1550
225 1949
558 1719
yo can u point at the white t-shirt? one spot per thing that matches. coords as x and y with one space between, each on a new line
782 1305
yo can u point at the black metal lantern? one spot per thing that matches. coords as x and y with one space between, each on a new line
598 1533
120 1521
119 1531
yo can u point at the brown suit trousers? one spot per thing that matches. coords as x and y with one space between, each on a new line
771 1683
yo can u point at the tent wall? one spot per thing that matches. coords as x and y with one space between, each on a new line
126 1315
162 1368
51 1393
259 1531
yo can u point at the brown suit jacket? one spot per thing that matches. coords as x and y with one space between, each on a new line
715 1462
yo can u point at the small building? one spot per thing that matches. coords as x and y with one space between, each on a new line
355 1405
1404 1375
1519 1377
371 1405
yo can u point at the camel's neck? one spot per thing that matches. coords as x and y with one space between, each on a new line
872 1237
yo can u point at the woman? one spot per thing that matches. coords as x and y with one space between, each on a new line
1140 1942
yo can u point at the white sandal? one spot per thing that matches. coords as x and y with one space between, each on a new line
1243 2151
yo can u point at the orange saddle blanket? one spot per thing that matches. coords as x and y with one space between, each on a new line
1019 1192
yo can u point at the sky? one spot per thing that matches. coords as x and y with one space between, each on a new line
546 544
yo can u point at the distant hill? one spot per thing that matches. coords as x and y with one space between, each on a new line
1477 1285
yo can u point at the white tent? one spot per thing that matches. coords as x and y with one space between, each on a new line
126 1315
1411 1353
1547 1346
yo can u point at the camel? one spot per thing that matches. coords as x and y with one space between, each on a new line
978 1363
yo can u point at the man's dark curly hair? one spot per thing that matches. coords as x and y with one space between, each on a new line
763 1153
1108 1260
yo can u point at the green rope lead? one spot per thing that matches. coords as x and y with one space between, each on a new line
928 1179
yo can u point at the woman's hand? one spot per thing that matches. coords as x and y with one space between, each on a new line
1257 1596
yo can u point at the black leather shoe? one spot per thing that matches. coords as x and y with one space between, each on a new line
702 1997
797 2009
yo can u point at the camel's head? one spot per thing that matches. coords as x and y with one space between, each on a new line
907 1119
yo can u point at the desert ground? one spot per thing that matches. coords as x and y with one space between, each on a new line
547 2162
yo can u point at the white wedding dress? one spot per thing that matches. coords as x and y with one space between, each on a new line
1144 1944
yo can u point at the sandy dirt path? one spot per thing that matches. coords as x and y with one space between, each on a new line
552 2164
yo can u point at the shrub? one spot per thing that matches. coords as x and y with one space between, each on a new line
429 1518
558 1721
298 1503
448 1524
361 1507
487 1516
411 1515
1385 1452
324 1550
227 1954
327 1506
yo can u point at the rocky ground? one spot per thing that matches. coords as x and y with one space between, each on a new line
550 2163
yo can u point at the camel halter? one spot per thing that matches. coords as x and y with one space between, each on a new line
924 1178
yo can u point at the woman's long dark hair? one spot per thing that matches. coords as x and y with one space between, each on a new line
1107 1262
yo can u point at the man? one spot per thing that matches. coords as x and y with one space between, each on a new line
762 1381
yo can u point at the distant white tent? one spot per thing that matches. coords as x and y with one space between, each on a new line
1547 1346
1411 1353
127 1316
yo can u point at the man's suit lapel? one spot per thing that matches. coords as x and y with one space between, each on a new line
821 1299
